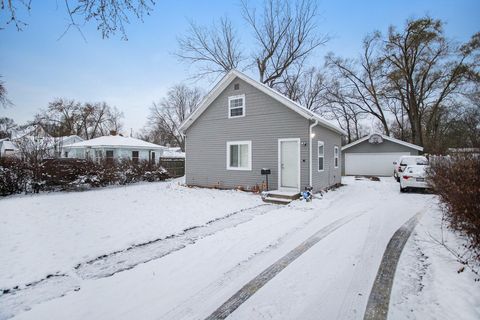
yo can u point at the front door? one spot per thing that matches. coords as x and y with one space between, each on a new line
289 163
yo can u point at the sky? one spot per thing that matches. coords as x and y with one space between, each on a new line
38 67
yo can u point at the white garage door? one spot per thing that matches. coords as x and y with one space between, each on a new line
374 164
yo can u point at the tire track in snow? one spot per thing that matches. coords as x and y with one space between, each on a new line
269 273
379 299
22 297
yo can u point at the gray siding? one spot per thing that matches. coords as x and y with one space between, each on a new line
265 122
330 175
385 147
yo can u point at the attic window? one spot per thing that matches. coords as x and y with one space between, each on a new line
236 106
236 86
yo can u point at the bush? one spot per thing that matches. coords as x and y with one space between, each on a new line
15 176
457 182
73 174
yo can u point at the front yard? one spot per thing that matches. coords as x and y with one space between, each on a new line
164 251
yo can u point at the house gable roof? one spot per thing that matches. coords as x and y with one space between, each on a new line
229 77
403 143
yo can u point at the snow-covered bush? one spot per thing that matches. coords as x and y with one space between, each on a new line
457 182
15 176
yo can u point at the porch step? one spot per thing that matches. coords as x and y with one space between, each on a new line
280 196
276 200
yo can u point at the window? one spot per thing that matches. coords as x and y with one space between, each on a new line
335 156
239 155
135 156
98 155
236 106
109 155
152 157
236 86
65 154
321 155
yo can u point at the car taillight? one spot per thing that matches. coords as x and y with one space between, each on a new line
406 177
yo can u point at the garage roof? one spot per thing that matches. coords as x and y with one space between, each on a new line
403 143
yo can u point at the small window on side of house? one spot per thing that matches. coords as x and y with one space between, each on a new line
236 106
335 156
135 156
321 155
109 155
236 86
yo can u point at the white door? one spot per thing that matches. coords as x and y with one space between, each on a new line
371 164
289 163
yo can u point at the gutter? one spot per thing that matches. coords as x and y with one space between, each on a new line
311 151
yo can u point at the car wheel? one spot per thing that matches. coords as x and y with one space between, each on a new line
403 190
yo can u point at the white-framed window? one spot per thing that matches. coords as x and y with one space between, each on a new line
236 106
335 156
321 155
239 155
98 155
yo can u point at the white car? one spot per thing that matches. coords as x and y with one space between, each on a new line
404 161
414 177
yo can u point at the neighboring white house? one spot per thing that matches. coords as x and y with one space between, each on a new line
7 148
114 147
60 142
173 152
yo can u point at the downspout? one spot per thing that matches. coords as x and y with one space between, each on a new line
311 151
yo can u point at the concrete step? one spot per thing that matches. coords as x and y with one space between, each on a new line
279 194
276 200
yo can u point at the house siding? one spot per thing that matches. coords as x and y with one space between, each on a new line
330 175
265 121
385 147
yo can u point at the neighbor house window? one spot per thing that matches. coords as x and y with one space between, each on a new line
321 155
335 156
98 155
109 155
152 157
236 106
135 156
65 154
239 155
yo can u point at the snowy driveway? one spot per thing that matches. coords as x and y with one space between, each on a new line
331 279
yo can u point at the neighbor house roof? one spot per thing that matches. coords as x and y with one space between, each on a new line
174 152
403 143
115 141
230 76
7 144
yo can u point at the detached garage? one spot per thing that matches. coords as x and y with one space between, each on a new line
374 155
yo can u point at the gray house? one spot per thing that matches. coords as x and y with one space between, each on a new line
243 126
374 155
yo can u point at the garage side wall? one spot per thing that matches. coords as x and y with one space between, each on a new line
385 147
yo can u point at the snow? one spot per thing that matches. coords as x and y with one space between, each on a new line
173 152
114 141
427 284
52 233
197 270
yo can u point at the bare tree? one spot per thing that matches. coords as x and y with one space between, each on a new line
4 101
284 35
167 115
110 15
365 79
215 50
7 125
89 120
427 73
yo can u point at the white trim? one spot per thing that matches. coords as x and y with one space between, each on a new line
229 77
323 155
241 96
249 144
310 153
336 157
280 163
410 145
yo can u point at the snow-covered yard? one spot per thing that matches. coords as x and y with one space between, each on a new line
164 251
